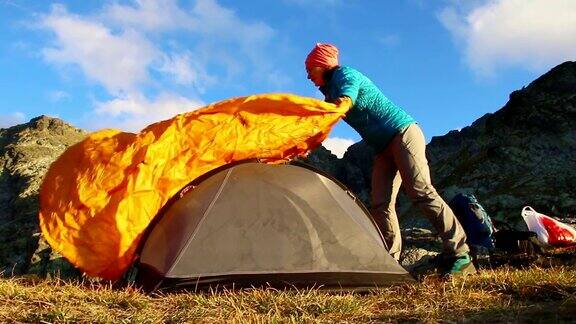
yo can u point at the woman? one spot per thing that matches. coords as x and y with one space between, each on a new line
400 156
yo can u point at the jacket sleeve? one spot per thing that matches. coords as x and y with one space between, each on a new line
348 85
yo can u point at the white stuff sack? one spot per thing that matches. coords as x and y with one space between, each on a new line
548 230
532 219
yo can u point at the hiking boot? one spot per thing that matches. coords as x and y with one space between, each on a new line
459 265
443 265
450 266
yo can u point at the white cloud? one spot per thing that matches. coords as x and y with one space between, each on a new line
180 67
214 20
9 120
136 49
132 113
118 47
186 71
117 61
534 34
216 26
241 47
122 105
58 95
151 15
337 145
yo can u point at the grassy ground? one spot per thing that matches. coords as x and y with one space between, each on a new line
504 295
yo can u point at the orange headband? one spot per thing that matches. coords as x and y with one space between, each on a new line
322 55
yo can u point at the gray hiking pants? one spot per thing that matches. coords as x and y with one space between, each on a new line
403 161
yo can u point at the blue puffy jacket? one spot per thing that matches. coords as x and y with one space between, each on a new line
373 116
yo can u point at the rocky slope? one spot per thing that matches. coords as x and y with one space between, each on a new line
523 154
26 152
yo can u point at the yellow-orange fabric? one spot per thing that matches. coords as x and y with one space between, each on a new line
100 195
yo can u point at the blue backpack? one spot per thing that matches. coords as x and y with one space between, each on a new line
474 219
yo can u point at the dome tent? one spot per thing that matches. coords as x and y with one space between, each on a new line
254 224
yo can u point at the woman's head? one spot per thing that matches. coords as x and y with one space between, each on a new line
323 57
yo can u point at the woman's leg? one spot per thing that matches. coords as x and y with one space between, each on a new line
386 182
408 149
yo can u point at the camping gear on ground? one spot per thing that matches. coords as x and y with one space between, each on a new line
518 242
474 219
98 198
516 248
549 230
254 224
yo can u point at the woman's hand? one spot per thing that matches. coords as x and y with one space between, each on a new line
343 102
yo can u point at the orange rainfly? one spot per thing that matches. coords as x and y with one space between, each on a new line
100 195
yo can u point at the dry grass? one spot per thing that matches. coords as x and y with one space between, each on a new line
502 295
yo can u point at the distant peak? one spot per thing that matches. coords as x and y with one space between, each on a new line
44 119
559 80
47 122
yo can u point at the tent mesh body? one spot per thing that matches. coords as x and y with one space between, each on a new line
253 224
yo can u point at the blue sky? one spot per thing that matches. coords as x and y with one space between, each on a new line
126 64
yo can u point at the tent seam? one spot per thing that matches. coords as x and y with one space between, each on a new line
185 247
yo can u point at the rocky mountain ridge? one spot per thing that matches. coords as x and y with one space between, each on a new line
523 154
